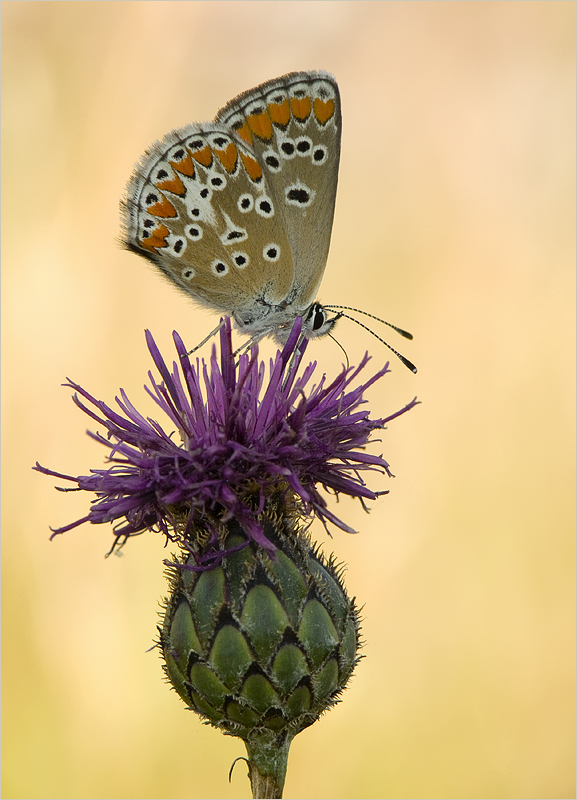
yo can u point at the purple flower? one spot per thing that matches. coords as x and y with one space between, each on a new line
240 436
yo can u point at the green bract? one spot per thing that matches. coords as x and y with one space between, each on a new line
261 644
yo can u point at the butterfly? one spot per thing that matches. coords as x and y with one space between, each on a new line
238 212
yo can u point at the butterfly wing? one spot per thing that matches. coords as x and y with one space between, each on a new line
199 206
293 125
238 213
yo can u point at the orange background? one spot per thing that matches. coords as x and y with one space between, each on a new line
454 219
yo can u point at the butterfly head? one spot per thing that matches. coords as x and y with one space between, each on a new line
316 321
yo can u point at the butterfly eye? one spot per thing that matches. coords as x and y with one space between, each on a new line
316 321
319 318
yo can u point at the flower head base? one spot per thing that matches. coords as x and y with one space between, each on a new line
241 438
260 646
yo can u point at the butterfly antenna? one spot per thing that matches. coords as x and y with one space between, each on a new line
405 361
342 348
406 334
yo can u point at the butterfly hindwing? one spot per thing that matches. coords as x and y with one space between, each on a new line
191 209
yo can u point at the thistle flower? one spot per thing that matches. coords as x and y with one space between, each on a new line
237 443
259 636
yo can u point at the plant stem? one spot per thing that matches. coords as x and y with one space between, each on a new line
267 758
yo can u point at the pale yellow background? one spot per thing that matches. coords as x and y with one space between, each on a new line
454 219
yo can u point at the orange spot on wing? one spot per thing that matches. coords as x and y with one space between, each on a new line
280 113
163 208
228 157
252 167
301 107
185 165
174 185
156 240
203 156
324 110
244 132
261 126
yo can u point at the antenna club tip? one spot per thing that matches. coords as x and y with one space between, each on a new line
409 365
400 331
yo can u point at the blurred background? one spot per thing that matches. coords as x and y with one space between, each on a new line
455 219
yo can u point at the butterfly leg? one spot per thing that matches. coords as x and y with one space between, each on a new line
206 338
244 348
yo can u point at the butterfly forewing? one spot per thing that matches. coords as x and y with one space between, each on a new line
293 125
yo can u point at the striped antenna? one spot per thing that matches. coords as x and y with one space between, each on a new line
406 334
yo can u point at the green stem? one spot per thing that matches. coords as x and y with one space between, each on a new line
267 758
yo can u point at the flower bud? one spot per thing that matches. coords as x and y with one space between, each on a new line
261 644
